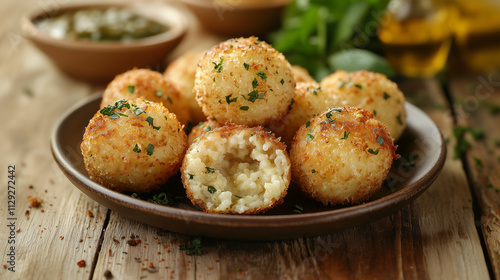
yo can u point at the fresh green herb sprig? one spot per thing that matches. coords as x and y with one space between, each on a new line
192 247
324 36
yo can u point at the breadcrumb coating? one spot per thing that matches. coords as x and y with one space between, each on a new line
342 156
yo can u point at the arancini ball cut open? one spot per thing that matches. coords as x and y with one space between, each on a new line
133 145
342 156
235 169
371 91
150 85
244 81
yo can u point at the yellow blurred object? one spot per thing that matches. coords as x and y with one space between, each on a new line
478 34
416 35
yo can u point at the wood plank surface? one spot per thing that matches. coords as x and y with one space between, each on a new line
476 99
433 238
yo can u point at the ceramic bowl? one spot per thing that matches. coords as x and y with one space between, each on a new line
236 18
100 62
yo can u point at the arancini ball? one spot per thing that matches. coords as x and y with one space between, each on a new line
150 85
244 81
235 169
181 73
342 156
309 100
133 145
371 91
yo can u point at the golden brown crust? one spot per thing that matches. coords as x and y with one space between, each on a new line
371 91
342 156
149 85
244 81
117 152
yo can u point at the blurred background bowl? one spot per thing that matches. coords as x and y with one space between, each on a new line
235 18
99 62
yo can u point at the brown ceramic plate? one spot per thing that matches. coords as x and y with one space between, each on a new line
405 183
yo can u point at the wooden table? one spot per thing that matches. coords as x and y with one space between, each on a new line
451 232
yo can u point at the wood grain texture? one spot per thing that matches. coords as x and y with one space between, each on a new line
432 238
475 98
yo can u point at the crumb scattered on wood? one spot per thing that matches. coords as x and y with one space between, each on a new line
34 201
81 263
90 213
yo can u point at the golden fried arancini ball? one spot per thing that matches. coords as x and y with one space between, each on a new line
342 156
133 146
301 74
202 128
181 73
236 169
244 81
150 85
309 100
370 91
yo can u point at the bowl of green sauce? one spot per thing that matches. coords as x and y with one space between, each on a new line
95 42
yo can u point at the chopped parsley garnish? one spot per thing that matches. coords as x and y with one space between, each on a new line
207 129
313 171
123 115
291 103
496 142
28 91
374 113
409 161
211 189
150 149
137 111
246 66
309 137
477 133
373 152
358 86
150 121
255 83
137 149
400 121
282 81
218 66
131 89
341 83
315 91
244 108
169 100
254 95
297 209
190 176
230 100
331 111
209 170
110 109
346 134
308 123
262 74
462 144
237 196
159 93
479 163
380 140
192 247
386 96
